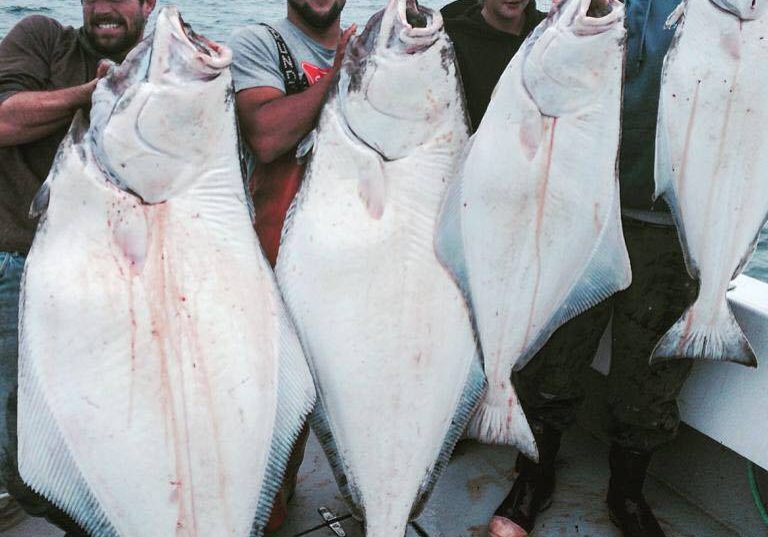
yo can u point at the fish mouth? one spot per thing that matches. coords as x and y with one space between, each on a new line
415 26
218 56
588 17
403 25
209 55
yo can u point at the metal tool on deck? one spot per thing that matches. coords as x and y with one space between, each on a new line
332 521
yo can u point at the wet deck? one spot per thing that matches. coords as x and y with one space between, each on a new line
476 480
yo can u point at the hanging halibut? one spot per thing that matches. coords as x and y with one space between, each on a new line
531 227
386 330
161 384
712 164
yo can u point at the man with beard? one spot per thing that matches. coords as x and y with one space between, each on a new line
47 73
282 73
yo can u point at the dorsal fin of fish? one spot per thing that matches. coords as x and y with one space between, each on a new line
449 245
46 464
474 391
607 272
242 151
322 428
697 336
665 189
295 401
75 135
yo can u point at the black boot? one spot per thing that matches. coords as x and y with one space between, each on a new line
532 491
626 504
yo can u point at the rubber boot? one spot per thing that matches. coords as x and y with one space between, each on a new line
626 504
11 513
532 491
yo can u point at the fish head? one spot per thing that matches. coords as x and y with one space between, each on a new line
157 118
398 80
574 55
744 9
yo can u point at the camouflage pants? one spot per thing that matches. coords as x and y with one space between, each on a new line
642 400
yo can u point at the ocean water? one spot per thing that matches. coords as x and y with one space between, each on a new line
214 19
217 20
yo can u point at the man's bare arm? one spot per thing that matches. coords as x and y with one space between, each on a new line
273 122
31 115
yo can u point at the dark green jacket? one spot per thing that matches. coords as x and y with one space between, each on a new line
482 52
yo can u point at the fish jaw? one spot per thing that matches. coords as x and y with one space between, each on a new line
179 53
391 48
172 83
410 20
572 36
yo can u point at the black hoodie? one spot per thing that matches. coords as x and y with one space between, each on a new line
482 51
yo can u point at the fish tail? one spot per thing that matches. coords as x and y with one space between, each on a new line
500 420
700 336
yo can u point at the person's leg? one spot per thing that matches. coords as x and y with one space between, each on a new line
643 399
550 395
548 386
11 268
9 313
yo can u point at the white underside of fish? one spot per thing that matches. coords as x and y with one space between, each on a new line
386 330
712 164
532 223
161 384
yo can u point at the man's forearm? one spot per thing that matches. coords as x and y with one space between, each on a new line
278 125
31 115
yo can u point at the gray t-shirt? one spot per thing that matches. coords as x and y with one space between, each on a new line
256 62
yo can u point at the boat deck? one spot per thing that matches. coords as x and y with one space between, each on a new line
475 481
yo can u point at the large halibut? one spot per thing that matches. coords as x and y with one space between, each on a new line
531 227
712 164
386 330
161 384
